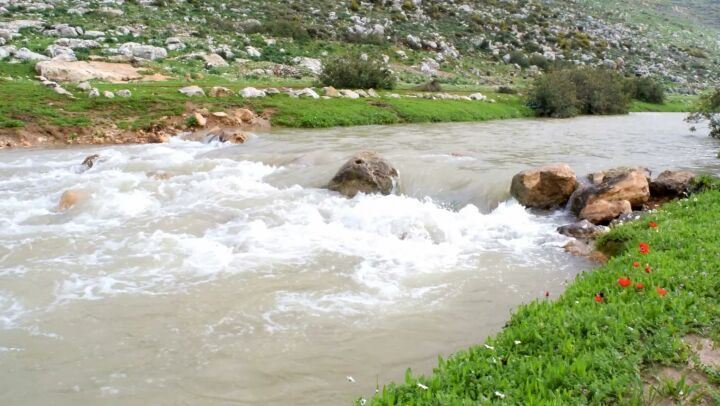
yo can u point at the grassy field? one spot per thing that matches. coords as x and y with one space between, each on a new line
152 101
600 342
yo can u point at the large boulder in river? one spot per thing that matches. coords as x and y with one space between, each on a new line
545 187
603 211
365 172
631 185
672 184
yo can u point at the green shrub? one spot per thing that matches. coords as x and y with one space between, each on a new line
518 57
286 27
571 91
539 60
506 90
708 109
647 90
357 73
431 86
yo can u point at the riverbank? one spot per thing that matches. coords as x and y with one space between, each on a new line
638 330
156 110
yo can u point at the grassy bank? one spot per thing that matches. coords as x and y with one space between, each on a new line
673 104
601 343
151 101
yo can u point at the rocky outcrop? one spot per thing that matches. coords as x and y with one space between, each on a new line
582 229
89 161
672 184
365 172
604 211
631 185
546 187
192 91
81 71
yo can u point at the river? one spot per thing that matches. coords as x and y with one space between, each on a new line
224 274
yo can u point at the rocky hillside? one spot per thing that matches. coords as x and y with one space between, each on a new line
480 42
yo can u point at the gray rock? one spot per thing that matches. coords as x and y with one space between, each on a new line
123 93
365 172
27 55
191 91
214 61
672 184
148 52
582 229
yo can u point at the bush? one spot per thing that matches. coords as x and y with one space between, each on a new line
708 109
568 92
506 90
283 28
539 60
431 86
357 73
519 58
647 90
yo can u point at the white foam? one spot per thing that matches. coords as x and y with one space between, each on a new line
217 217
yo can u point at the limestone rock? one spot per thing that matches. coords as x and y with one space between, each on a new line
365 172
672 184
603 211
631 185
191 91
546 187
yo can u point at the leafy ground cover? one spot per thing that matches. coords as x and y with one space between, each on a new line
598 342
151 101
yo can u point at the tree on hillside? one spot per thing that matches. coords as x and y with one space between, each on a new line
708 109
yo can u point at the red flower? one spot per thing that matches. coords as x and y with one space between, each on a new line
624 282
644 248
639 285
661 291
598 298
647 268
636 264
652 224
547 294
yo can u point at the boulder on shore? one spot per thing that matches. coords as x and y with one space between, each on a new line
672 184
631 185
604 211
365 172
546 187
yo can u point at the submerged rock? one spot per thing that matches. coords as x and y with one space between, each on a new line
546 187
672 184
365 172
70 198
582 229
89 161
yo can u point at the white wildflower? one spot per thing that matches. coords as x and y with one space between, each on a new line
489 347
421 386
500 394
350 379
518 342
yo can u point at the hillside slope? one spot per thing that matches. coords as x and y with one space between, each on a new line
487 42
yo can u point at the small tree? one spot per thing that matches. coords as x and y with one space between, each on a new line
708 109
357 73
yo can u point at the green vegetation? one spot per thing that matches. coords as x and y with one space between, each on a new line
596 343
708 109
647 90
152 101
355 72
568 92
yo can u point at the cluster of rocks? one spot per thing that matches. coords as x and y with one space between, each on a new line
601 198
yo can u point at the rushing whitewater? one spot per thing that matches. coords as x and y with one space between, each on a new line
210 273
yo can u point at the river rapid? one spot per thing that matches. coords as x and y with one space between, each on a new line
225 274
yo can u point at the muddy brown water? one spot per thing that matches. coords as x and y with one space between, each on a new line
238 280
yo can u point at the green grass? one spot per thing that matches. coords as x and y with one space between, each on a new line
150 101
577 351
674 104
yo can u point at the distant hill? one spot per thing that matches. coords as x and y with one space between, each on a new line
488 42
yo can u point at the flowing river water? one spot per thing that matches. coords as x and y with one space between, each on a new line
224 274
